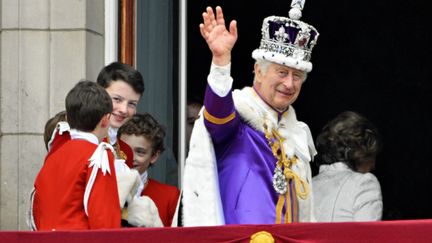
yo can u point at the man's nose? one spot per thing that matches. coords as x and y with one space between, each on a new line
123 107
289 81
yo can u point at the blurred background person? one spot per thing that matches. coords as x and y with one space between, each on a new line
344 189
194 105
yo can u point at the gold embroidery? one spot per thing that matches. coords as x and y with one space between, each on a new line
218 121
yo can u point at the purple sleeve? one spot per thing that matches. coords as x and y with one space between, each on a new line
220 116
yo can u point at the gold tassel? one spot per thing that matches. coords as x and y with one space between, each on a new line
296 185
295 205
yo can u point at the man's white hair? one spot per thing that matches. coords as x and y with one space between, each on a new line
264 65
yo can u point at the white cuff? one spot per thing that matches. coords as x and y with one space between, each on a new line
220 80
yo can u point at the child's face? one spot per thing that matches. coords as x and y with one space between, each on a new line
142 149
125 101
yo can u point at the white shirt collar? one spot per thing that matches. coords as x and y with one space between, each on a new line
144 179
76 134
112 134
334 166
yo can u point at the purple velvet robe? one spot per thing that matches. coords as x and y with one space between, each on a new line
245 165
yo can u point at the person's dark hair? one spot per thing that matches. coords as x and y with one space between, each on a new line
51 124
348 138
147 126
194 100
118 71
86 104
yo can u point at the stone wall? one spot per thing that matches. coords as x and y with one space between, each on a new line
46 46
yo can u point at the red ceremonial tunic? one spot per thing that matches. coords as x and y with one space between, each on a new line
165 197
60 185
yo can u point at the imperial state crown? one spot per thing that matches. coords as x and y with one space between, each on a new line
287 41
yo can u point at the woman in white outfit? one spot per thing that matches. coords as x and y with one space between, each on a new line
344 189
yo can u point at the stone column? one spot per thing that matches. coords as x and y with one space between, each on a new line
46 46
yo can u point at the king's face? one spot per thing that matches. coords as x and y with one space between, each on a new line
279 85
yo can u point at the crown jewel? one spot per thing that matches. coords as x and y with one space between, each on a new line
287 41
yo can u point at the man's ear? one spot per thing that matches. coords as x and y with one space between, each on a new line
105 120
154 157
258 73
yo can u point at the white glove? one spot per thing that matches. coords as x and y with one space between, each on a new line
142 212
127 182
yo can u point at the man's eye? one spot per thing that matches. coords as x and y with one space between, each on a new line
141 153
282 73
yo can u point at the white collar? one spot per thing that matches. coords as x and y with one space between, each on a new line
112 135
143 181
334 166
76 134
254 111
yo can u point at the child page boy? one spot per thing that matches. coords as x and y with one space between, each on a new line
76 188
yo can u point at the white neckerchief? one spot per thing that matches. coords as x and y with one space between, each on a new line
112 134
76 134
144 179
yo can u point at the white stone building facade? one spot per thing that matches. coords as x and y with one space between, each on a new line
46 46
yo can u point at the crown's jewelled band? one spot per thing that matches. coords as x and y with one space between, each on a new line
288 41
286 49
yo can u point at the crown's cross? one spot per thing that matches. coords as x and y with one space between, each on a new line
298 4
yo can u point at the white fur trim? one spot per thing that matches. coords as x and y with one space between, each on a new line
255 112
128 181
143 212
201 199
282 59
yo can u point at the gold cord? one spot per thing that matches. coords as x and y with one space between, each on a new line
301 187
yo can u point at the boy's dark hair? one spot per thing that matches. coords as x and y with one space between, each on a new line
51 124
118 71
145 125
86 104
348 138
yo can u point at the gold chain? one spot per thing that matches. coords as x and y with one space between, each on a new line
120 154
